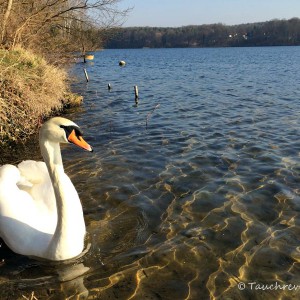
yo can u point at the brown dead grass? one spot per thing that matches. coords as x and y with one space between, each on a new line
30 89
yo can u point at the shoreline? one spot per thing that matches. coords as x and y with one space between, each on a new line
31 91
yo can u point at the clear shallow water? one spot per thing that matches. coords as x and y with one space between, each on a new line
203 198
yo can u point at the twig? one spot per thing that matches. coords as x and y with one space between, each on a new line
32 297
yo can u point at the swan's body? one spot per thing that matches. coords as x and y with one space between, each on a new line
40 211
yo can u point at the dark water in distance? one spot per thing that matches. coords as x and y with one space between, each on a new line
204 201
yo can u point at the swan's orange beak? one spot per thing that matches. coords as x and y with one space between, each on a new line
79 141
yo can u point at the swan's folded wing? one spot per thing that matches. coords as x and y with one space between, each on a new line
22 226
33 171
17 206
35 180
14 203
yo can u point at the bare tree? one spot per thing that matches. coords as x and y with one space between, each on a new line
5 18
48 23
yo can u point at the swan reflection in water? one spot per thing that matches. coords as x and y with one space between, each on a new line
71 278
61 280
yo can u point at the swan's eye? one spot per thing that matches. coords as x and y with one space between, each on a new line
74 135
69 129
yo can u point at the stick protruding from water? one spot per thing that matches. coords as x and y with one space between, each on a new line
136 93
86 75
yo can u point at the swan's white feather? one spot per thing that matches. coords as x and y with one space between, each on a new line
35 179
17 208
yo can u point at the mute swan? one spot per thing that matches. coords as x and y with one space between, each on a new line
40 211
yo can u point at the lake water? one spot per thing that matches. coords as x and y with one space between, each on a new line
192 194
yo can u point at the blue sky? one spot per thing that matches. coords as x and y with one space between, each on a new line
175 13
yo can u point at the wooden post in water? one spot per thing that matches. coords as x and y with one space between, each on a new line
86 75
136 93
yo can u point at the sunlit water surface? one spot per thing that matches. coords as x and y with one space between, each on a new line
188 194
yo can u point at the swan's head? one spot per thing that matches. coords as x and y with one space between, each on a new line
61 130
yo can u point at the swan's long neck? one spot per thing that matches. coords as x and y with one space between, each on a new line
52 157
69 210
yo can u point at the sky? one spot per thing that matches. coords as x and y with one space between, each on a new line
176 13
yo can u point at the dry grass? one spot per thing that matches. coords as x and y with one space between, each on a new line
32 297
30 89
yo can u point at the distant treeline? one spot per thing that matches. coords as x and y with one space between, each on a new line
270 33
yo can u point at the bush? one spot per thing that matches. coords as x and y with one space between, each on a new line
30 89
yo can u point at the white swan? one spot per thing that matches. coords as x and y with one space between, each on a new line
40 211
